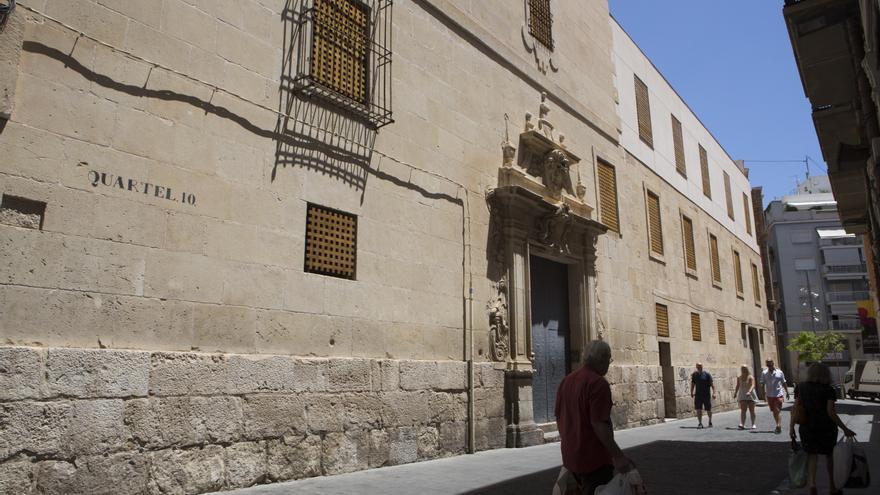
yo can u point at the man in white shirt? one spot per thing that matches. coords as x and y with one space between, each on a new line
774 389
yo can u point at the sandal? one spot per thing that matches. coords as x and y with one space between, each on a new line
741 427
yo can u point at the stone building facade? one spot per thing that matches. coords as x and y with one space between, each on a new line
238 248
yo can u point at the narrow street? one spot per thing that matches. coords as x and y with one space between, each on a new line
674 458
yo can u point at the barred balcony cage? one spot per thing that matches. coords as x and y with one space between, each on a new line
344 56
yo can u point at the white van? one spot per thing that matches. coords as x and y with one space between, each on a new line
863 379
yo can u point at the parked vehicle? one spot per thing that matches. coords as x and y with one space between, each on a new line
863 379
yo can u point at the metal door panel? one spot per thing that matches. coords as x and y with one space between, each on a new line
550 333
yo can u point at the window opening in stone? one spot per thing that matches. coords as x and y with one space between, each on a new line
331 242
541 22
22 212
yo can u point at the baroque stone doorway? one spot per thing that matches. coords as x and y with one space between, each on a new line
537 212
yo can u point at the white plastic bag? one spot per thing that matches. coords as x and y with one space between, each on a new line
843 454
797 468
629 483
565 483
859 474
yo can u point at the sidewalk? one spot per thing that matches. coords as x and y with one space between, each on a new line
673 458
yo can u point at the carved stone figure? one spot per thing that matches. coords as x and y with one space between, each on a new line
529 125
555 173
554 228
544 125
499 329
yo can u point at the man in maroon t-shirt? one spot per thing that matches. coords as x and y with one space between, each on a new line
583 414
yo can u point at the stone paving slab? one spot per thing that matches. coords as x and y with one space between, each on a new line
673 457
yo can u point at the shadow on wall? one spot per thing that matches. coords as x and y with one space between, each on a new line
308 133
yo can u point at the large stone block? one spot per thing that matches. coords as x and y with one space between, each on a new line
453 437
442 375
35 427
403 445
21 373
428 442
125 472
183 421
349 375
365 411
15 475
95 427
294 457
273 416
409 408
345 452
385 374
380 448
185 373
325 412
97 373
196 470
246 464
276 373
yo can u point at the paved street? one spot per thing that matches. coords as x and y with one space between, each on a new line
673 458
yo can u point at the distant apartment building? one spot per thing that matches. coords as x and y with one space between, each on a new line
819 274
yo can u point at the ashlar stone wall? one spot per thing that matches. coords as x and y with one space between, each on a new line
93 421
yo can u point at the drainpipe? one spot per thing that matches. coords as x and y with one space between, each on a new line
471 416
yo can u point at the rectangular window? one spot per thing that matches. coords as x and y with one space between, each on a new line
608 196
340 53
755 285
655 228
331 242
737 273
662 313
690 254
722 336
678 144
729 197
541 22
716 260
643 112
695 327
747 215
704 170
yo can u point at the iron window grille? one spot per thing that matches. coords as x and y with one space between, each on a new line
541 22
331 242
344 56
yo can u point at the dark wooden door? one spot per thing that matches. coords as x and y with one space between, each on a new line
550 333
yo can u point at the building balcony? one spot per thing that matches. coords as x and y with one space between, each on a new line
846 297
840 272
848 324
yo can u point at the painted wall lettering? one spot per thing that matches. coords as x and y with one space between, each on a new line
105 179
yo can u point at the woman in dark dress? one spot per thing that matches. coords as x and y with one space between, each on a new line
819 430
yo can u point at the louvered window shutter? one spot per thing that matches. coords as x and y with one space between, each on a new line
696 333
729 197
716 261
737 271
654 226
704 169
689 250
643 111
678 144
662 313
608 196
748 217
722 335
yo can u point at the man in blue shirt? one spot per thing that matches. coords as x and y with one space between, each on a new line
701 383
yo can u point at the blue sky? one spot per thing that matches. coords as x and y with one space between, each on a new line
732 62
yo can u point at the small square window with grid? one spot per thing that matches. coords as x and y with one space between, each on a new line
340 55
541 22
331 242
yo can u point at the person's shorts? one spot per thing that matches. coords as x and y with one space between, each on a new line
775 403
702 402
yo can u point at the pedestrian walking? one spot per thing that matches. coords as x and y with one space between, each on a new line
701 385
745 395
583 414
818 423
774 389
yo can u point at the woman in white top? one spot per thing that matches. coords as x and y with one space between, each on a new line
745 394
